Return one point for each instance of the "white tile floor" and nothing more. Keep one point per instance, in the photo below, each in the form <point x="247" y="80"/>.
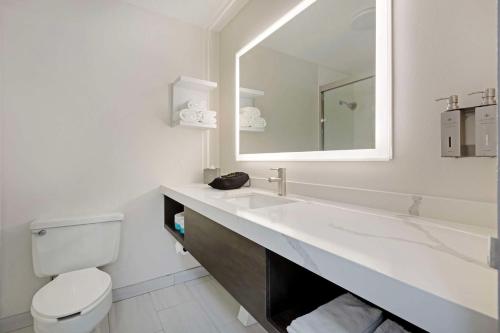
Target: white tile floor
<point x="198" y="306"/>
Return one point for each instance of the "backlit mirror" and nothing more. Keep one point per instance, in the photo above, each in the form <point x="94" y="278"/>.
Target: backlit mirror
<point x="316" y="85"/>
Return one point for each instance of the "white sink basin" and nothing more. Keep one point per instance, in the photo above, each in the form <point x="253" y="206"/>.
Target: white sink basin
<point x="257" y="200"/>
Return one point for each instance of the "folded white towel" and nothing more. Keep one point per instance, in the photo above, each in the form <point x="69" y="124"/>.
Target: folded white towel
<point x="389" y="326"/>
<point x="244" y="121"/>
<point x="258" y="122"/>
<point x="207" y="116"/>
<point x="250" y="112"/>
<point x="190" y="115"/>
<point x="345" y="314"/>
<point x="197" y="106"/>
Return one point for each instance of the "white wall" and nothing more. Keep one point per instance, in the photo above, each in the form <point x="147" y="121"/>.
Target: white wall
<point x="85" y="109"/>
<point x="289" y="105"/>
<point x="435" y="54"/>
<point x="327" y="75"/>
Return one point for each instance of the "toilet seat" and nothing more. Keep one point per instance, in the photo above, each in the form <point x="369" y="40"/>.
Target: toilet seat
<point x="71" y="294"/>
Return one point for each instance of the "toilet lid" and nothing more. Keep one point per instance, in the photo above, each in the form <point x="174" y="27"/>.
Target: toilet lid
<point x="71" y="293"/>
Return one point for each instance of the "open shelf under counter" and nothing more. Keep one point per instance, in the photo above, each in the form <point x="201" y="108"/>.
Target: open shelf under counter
<point x="310" y="291"/>
<point x="171" y="208"/>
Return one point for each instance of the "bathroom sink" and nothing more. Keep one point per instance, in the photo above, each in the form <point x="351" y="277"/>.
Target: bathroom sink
<point x="257" y="200"/>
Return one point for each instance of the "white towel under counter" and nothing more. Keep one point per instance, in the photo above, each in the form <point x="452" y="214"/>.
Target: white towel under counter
<point x="345" y="314"/>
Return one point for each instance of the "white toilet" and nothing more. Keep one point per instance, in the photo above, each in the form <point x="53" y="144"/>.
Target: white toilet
<point x="80" y="296"/>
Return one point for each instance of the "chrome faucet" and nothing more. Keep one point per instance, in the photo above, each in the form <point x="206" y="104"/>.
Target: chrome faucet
<point x="281" y="180"/>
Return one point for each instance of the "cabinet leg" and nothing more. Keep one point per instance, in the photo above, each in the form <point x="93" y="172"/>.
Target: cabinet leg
<point x="245" y="318"/>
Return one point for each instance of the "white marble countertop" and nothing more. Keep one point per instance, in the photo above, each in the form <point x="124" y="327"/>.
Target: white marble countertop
<point x="432" y="273"/>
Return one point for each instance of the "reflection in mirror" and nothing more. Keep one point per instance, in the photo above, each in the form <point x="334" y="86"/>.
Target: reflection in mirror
<point x="310" y="85"/>
<point x="348" y="114"/>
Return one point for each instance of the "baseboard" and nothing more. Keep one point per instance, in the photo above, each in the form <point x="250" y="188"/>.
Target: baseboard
<point x="15" y="322"/>
<point x="22" y="320"/>
<point x="141" y="288"/>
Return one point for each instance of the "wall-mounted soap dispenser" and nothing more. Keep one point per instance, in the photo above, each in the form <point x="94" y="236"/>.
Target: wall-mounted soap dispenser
<point x="452" y="125"/>
<point x="452" y="134"/>
<point x="486" y="123"/>
<point x="486" y="131"/>
<point x="470" y="131"/>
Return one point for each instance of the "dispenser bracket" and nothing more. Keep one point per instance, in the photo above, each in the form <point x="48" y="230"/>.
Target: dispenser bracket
<point x="494" y="257"/>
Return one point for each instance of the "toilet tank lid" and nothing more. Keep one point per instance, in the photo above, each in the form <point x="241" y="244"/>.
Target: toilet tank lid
<point x="72" y="221"/>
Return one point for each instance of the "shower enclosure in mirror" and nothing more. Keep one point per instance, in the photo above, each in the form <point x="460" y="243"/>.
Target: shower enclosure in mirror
<point x="316" y="85"/>
<point x="348" y="114"/>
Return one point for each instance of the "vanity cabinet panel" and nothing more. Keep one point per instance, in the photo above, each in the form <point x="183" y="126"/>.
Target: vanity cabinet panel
<point x="237" y="263"/>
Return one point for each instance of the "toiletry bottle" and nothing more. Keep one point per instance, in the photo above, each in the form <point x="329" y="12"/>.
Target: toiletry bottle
<point x="452" y="134"/>
<point x="486" y="130"/>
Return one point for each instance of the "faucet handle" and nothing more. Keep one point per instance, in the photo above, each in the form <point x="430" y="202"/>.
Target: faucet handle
<point x="281" y="172"/>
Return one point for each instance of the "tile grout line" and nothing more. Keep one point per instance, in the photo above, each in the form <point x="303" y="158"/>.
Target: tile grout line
<point x="198" y="301"/>
<point x="157" y="312"/>
<point x="212" y="321"/>
<point x="193" y="299"/>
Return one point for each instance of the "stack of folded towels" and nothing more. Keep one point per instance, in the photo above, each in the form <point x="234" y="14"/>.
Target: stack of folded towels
<point x="251" y="117"/>
<point x="345" y="314"/>
<point x="197" y="113"/>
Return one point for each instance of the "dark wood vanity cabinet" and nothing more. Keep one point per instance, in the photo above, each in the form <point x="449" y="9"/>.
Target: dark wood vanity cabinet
<point x="237" y="263"/>
<point x="271" y="288"/>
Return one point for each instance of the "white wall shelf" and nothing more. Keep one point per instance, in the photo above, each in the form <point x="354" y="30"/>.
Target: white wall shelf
<point x="196" y="125"/>
<point x="187" y="82"/>
<point x="248" y="96"/>
<point x="186" y="89"/>
<point x="251" y="129"/>
<point x="250" y="93"/>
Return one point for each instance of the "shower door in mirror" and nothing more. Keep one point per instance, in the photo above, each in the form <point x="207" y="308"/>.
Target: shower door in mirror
<point x="348" y="115"/>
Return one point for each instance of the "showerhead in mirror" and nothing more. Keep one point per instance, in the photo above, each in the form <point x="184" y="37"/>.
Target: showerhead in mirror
<point x="350" y="105"/>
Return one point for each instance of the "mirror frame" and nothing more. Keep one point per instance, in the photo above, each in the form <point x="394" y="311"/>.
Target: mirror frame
<point x="383" y="88"/>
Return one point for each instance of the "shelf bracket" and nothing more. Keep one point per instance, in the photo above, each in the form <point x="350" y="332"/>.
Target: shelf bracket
<point x="494" y="257"/>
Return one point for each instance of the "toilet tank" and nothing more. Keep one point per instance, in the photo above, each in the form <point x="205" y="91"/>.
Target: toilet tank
<point x="68" y="244"/>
